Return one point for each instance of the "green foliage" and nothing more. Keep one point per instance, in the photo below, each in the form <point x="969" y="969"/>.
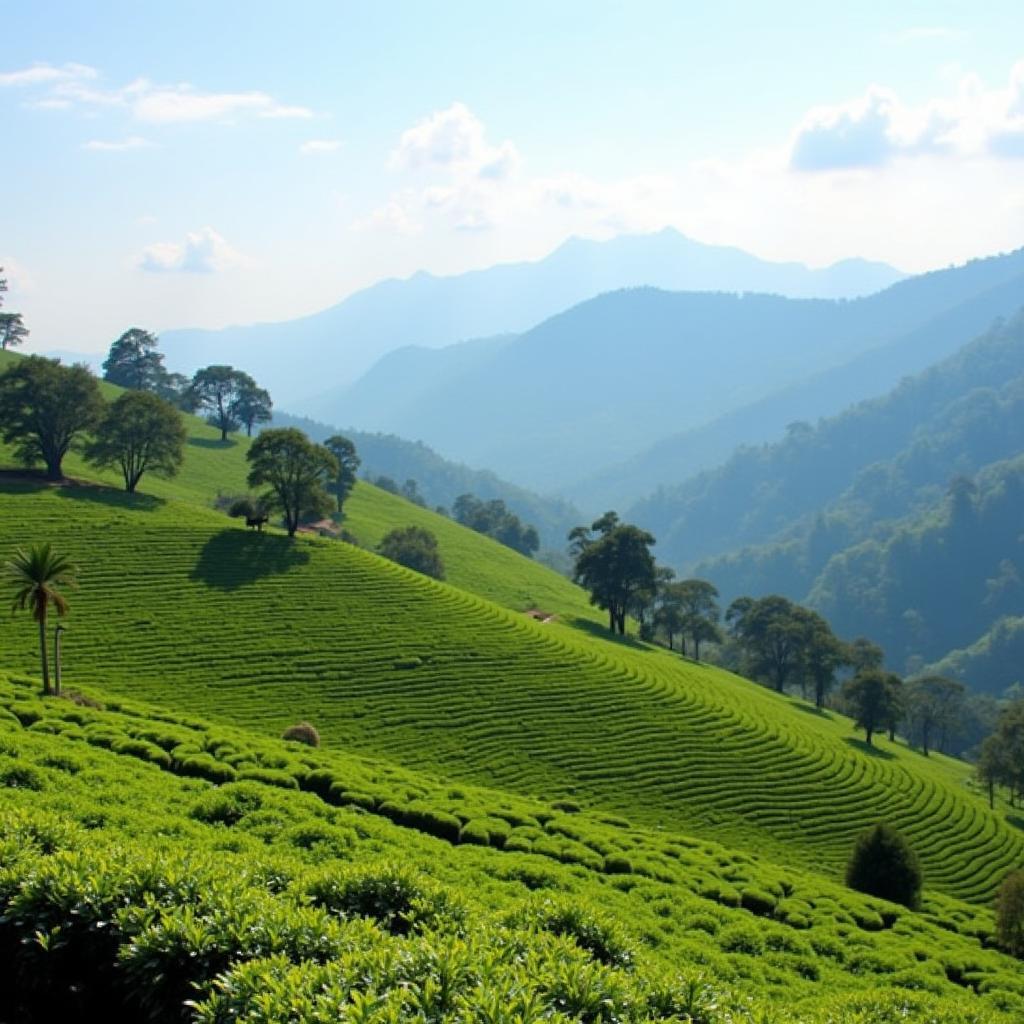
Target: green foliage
<point x="415" y="548"/>
<point x="295" y="470"/>
<point x="348" y="464"/>
<point x="134" y="363"/>
<point x="884" y="864"/>
<point x="874" y="700"/>
<point x="496" y="520"/>
<point x="139" y="433"/>
<point x="1010" y="914"/>
<point x="45" y="409"/>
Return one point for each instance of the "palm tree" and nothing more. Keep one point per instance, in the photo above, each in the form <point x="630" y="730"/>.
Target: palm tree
<point x="35" y="577"/>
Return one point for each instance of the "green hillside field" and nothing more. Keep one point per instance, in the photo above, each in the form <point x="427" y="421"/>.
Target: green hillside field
<point x="660" y="816"/>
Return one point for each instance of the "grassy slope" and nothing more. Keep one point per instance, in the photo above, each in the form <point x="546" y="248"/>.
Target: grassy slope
<point x="123" y="773"/>
<point x="180" y="607"/>
<point x="473" y="562"/>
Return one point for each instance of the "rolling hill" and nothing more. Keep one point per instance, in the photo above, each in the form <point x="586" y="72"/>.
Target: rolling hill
<point x="497" y="801"/>
<point x="345" y="340"/>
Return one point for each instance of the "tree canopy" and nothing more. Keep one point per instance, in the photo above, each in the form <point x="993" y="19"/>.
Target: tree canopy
<point x="133" y="361"/>
<point x="46" y="408"/>
<point x="37" y="576"/>
<point x="495" y="519"/>
<point x="230" y="397"/>
<point x="139" y="433"/>
<point x="296" y="472"/>
<point x="348" y="464"/>
<point x="613" y="561"/>
<point x="883" y="864"/>
<point x="874" y="700"/>
<point x="12" y="327"/>
<point x="415" y="547"/>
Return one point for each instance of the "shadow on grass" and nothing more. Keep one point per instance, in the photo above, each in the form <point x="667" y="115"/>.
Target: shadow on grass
<point x="604" y="633"/>
<point x="810" y="709"/>
<point x="1015" y="820"/>
<point x="232" y="558"/>
<point x="871" y="751"/>
<point x="211" y="442"/>
<point x="110" y="496"/>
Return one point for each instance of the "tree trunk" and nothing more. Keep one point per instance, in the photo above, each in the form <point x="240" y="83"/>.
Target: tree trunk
<point x="54" y="470"/>
<point x="991" y="795"/>
<point x="892" y="733"/>
<point x="924" y="738"/>
<point x="44" y="660"/>
<point x="696" y="648"/>
<point x="867" y="736"/>
<point x="611" y="619"/>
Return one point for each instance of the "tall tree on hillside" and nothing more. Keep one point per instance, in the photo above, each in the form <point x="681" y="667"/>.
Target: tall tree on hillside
<point x="216" y="389"/>
<point x="140" y="433"/>
<point x="823" y="655"/>
<point x="933" y="705"/>
<point x="862" y="655"/>
<point x="45" y="408"/>
<point x="348" y="465"/>
<point x="252" y="404"/>
<point x="37" y="576"/>
<point x="415" y="548"/>
<point x="133" y="361"/>
<point x="871" y="697"/>
<point x="296" y="471"/>
<point x="772" y="632"/>
<point x="698" y="600"/>
<point x="614" y="562"/>
<point x="12" y="327"/>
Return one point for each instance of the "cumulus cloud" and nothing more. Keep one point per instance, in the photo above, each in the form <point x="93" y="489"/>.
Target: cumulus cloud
<point x="104" y="146"/>
<point x="75" y="86"/>
<point x="394" y="217"/>
<point x="315" y="147"/>
<point x="202" y="252"/>
<point x="878" y="128"/>
<point x="453" y="139"/>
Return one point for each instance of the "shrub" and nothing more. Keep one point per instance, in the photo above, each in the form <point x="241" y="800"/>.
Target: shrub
<point x="475" y="833"/>
<point x="884" y="865"/>
<point x="20" y="776"/>
<point x="741" y="938"/>
<point x="415" y="548"/>
<point x="615" y="864"/>
<point x="394" y="896"/>
<point x="302" y="732"/>
<point x="269" y="777"/>
<point x="757" y="902"/>
<point x="602" y="937"/>
<point x="1010" y="914"/>
<point x="227" y="805"/>
<point x="143" y="750"/>
<point x="202" y="766"/>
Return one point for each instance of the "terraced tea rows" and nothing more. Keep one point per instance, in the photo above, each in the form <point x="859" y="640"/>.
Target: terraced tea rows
<point x="182" y="610"/>
<point x="106" y="809"/>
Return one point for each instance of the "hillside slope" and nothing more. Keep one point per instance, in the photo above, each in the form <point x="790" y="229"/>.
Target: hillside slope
<point x="179" y="608"/>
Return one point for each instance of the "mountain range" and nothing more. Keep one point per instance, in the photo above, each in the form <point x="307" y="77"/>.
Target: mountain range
<point x="342" y="342"/>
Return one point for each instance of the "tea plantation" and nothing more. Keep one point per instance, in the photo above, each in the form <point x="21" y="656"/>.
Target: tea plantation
<point x="508" y="820"/>
<point x="155" y="867"/>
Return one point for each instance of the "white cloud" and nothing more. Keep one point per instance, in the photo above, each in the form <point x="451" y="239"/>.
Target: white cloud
<point x="103" y="146"/>
<point x="73" y="86"/>
<point x="315" y="147"/>
<point x="394" y="217"/>
<point x="878" y="128"/>
<point x="453" y="139"/>
<point x="202" y="252"/>
<point x="47" y="74"/>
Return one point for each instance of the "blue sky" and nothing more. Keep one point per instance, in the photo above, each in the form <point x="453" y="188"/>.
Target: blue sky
<point x="212" y="163"/>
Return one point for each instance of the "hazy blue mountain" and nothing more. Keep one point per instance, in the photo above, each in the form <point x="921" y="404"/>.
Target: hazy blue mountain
<point x="870" y="374"/>
<point x="441" y="481"/>
<point x="597" y="384"/>
<point x="299" y="358"/>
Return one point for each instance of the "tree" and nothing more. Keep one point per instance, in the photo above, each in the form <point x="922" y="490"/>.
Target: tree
<point x="933" y="705"/>
<point x="36" y="576"/>
<point x="823" y="655"/>
<point x="496" y="520"/>
<point x="414" y="547"/>
<point x="45" y="408"/>
<point x="216" y="389"/>
<point x="614" y="566"/>
<point x="862" y="654"/>
<point x="295" y="469"/>
<point x="884" y="865"/>
<point x="133" y="362"/>
<point x="772" y="632"/>
<point x="252" y="405"/>
<point x="871" y="696"/>
<point x="1010" y="914"/>
<point x="12" y="328"/>
<point x="348" y="464"/>
<point x="698" y="601"/>
<point x="140" y="433"/>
